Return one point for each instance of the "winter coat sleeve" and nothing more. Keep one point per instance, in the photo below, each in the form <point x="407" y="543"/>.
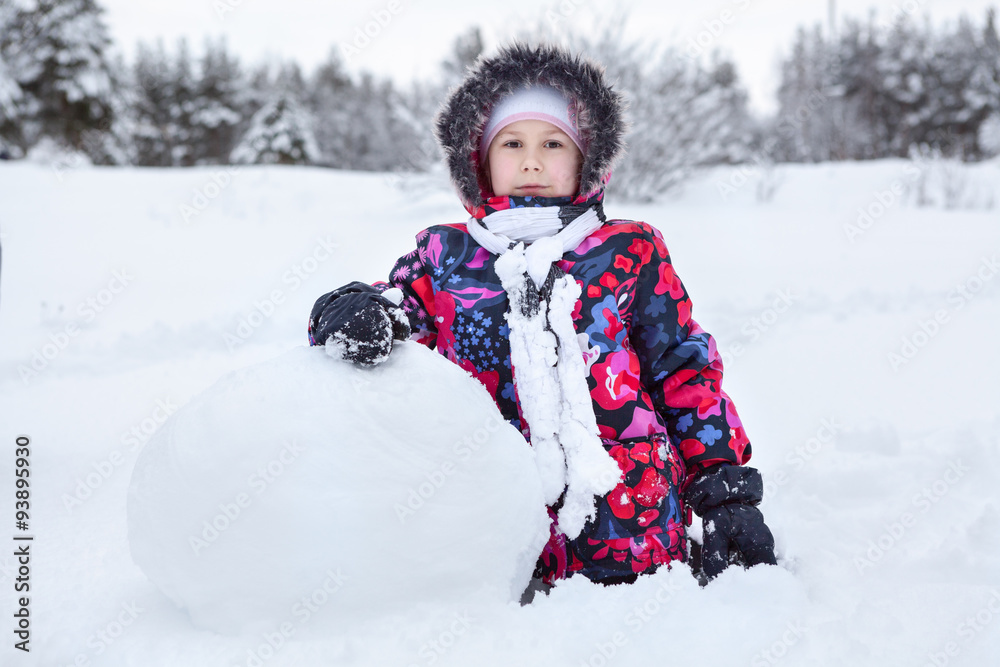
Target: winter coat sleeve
<point x="681" y="367"/>
<point x="411" y="276"/>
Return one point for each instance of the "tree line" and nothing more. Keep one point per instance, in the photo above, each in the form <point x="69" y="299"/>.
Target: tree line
<point x="881" y="90"/>
<point x="872" y="90"/>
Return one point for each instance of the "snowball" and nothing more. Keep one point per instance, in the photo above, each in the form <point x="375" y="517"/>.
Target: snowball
<point x="306" y="490"/>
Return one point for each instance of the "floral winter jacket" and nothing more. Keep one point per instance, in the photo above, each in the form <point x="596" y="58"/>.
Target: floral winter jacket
<point x="654" y="376"/>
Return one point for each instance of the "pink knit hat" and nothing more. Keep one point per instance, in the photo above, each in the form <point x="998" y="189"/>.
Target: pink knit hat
<point x="533" y="103"/>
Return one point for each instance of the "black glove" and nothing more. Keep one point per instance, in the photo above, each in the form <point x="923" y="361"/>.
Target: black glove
<point x="360" y="322"/>
<point x="734" y="530"/>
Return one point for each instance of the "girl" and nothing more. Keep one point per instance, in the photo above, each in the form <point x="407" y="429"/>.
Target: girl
<point x="576" y="325"/>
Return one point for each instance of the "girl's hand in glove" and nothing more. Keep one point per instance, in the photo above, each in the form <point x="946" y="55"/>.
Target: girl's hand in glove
<point x="726" y="499"/>
<point x="359" y="323"/>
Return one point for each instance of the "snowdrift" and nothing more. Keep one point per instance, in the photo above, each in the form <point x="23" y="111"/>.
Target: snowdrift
<point x="880" y="475"/>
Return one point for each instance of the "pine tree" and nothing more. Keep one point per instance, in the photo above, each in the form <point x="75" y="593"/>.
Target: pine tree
<point x="330" y="90"/>
<point x="991" y="51"/>
<point x="180" y="118"/>
<point x="182" y="107"/>
<point x="11" y="97"/>
<point x="16" y="34"/>
<point x="727" y="140"/>
<point x="989" y="131"/>
<point x="269" y="80"/>
<point x="989" y="136"/>
<point x="259" y="88"/>
<point x="217" y="100"/>
<point x="413" y="110"/>
<point x="367" y="140"/>
<point x="466" y="48"/>
<point x="280" y="133"/>
<point x="901" y="92"/>
<point x="950" y="68"/>
<point x="982" y="95"/>
<point x="368" y="125"/>
<point x="803" y="132"/>
<point x="960" y="94"/>
<point x="884" y="91"/>
<point x="683" y="115"/>
<point x="10" y="100"/>
<point x="60" y="65"/>
<point x="111" y="143"/>
<point x="413" y="147"/>
<point x="861" y="118"/>
<point x="290" y="81"/>
<point x="154" y="133"/>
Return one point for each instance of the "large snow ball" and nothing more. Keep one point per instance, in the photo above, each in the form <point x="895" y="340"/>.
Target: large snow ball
<point x="308" y="491"/>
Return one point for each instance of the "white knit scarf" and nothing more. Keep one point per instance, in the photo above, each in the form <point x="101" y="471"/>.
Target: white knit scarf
<point x="549" y="369"/>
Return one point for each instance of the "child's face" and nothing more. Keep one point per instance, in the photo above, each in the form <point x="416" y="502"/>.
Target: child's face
<point x="533" y="158"/>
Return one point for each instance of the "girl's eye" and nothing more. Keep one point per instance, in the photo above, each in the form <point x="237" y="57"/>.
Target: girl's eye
<point x="513" y="143"/>
<point x="553" y="144"/>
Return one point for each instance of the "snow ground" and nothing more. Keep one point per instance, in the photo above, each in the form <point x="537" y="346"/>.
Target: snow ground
<point x="118" y="305"/>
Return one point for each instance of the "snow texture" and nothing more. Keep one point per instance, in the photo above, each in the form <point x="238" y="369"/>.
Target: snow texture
<point x="292" y="477"/>
<point x="880" y="481"/>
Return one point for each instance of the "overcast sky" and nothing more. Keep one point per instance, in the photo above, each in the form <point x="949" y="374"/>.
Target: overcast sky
<point x="413" y="36"/>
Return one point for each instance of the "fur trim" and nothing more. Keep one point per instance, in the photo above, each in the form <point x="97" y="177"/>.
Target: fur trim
<point x="459" y="123"/>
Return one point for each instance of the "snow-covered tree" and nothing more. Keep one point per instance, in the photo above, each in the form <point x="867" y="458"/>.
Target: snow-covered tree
<point x="280" y="133"/>
<point x="982" y="95"/>
<point x="878" y="91"/>
<point x="10" y="93"/>
<point x="271" y="79"/>
<point x="989" y="136"/>
<point x="802" y="125"/>
<point x="11" y="100"/>
<point x="329" y="92"/>
<point x="186" y="114"/>
<point x="683" y="114"/>
<point x="466" y="48"/>
<point x="858" y="118"/>
<point x="899" y="102"/>
<point x="218" y="99"/>
<point x="111" y="141"/>
<point x="368" y="124"/>
<point x="11" y="97"/>
<point x="955" y="110"/>
<point x="58" y="56"/>
<point x="414" y="111"/>
<point x="156" y="133"/>
<point x="414" y="108"/>
<point x="989" y="129"/>
<point x="182" y="87"/>
<point x="381" y="138"/>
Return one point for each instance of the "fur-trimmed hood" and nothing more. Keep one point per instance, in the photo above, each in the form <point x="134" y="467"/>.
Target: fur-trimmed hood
<point x="460" y="122"/>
